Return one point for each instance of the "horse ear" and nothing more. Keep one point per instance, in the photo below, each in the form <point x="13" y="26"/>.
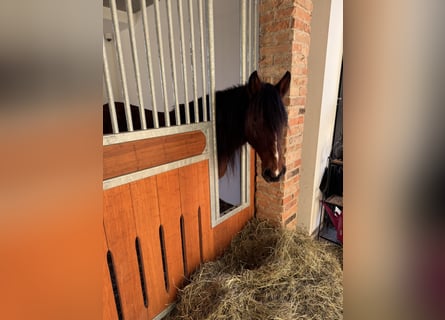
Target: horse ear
<point x="283" y="85"/>
<point x="254" y="84"/>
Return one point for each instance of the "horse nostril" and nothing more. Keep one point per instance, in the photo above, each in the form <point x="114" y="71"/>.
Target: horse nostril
<point x="269" y="177"/>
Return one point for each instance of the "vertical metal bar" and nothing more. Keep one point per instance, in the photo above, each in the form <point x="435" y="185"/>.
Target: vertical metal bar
<point x="109" y="91"/>
<point x="161" y="59"/>
<point x="173" y="61"/>
<point x="183" y="61"/>
<point x="149" y="64"/>
<point x="120" y="57"/>
<point x="192" y="53"/>
<point x="203" y="64"/>
<point x="255" y="35"/>
<point x="243" y="39"/>
<point x="243" y="56"/>
<point x="134" y="53"/>
<point x="214" y="160"/>
<point x="253" y="68"/>
<point x="249" y="36"/>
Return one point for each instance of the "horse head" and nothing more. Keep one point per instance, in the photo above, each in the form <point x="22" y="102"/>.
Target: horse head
<point x="266" y="123"/>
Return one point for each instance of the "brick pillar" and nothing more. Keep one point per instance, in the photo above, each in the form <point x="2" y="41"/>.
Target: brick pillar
<point x="284" y="45"/>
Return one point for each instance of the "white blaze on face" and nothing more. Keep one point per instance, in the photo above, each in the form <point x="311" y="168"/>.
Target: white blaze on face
<point x="277" y="156"/>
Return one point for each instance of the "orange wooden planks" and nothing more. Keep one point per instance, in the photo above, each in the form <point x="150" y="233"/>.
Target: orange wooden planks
<point x="109" y="311"/>
<point x="146" y="212"/>
<point x="120" y="232"/>
<point x="128" y="157"/>
<point x="170" y="213"/>
<point x="190" y="203"/>
<point x="203" y="192"/>
<point x="138" y="209"/>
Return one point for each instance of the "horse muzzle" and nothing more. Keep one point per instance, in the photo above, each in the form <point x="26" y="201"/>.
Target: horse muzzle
<point x="269" y="176"/>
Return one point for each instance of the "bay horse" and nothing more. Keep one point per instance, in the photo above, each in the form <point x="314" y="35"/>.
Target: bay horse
<point x="252" y="113"/>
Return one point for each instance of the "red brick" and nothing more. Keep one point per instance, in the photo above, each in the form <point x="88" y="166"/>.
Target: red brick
<point x="275" y="26"/>
<point x="265" y="60"/>
<point x="292" y="225"/>
<point x="306" y="4"/>
<point x="303" y="14"/>
<point x="282" y="59"/>
<point x="279" y="4"/>
<point x="284" y="45"/>
<point x="295" y="121"/>
<point x="301" y="37"/>
<point x="270" y="50"/>
<point x="285" y="12"/>
<point x="299" y="80"/>
<point x="266" y="17"/>
<point x="297" y="101"/>
<point x="301" y="25"/>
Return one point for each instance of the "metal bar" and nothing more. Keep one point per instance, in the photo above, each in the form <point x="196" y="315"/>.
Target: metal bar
<point x="173" y="61"/>
<point x="142" y="174"/>
<point x="165" y="312"/>
<point x="109" y="91"/>
<point x="149" y="64"/>
<point x="183" y="61"/>
<point x="203" y="64"/>
<point x="134" y="53"/>
<point x="120" y="57"/>
<point x="243" y="40"/>
<point x="161" y="59"/>
<point x="249" y="36"/>
<point x="213" y="167"/>
<point x="193" y="56"/>
<point x="243" y="57"/>
<point x="153" y="133"/>
<point x="255" y="35"/>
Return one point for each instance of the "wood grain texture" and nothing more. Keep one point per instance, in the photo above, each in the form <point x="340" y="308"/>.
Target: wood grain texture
<point x="170" y="213"/>
<point x="138" y="209"/>
<point x="109" y="311"/>
<point x="120" y="230"/>
<point x="128" y="157"/>
<point x="190" y="203"/>
<point x="203" y="192"/>
<point x="146" y="212"/>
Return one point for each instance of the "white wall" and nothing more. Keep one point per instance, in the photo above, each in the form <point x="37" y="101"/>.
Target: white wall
<point x="324" y="65"/>
<point x="227" y="63"/>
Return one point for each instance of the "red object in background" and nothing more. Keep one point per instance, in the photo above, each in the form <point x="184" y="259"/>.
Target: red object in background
<point x="337" y="221"/>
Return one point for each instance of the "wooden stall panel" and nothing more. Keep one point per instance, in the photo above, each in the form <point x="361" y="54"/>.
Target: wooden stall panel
<point x="190" y="205"/>
<point x="109" y="311"/>
<point x="179" y="201"/>
<point x="146" y="212"/>
<point x="120" y="233"/>
<point x="128" y="157"/>
<point x="170" y="214"/>
<point x="205" y="217"/>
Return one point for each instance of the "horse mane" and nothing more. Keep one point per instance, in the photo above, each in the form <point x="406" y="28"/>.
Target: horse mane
<point x="231" y="108"/>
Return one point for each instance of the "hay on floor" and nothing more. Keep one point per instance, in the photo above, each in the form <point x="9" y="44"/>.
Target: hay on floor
<point x="267" y="273"/>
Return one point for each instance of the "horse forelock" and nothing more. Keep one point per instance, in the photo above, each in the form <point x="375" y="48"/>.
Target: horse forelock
<point x="269" y="109"/>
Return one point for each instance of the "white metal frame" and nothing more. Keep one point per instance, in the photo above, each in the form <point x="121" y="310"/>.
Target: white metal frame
<point x="249" y="58"/>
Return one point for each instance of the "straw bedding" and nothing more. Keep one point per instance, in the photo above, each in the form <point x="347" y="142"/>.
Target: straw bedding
<point x="267" y="273"/>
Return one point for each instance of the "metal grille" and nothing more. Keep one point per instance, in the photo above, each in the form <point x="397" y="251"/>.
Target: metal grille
<point x="159" y="55"/>
<point x="166" y="57"/>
